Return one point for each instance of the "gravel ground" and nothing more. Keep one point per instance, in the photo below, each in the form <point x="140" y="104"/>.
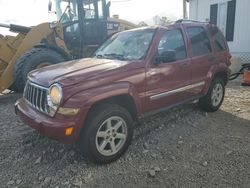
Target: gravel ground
<point x="183" y="147"/>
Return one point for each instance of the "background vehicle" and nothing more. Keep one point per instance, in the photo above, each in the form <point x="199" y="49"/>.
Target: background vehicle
<point x="81" y="27"/>
<point x="135" y="73"/>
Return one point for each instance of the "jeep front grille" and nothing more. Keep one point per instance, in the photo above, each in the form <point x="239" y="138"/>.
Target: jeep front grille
<point x="36" y="96"/>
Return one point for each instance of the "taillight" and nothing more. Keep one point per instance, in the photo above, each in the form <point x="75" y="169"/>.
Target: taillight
<point x="229" y="61"/>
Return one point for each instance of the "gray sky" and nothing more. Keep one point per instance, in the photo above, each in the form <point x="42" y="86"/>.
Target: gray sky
<point x="33" y="12"/>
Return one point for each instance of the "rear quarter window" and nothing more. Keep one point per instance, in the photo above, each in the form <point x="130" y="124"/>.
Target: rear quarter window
<point x="219" y="40"/>
<point x="199" y="41"/>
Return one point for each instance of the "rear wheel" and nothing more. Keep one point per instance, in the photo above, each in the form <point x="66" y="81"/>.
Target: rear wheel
<point x="107" y="134"/>
<point x="212" y="101"/>
<point x="33" y="59"/>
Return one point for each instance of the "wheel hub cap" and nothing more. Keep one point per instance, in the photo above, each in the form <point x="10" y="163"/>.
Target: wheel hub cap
<point x="111" y="136"/>
<point x="217" y="94"/>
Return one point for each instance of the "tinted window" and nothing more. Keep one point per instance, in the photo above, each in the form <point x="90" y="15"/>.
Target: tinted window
<point x="218" y="39"/>
<point x="199" y="40"/>
<point x="173" y="40"/>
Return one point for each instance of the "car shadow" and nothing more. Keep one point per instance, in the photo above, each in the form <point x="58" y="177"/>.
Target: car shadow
<point x="9" y="98"/>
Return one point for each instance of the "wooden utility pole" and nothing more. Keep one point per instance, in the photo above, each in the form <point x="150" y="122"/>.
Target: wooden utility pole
<point x="184" y="9"/>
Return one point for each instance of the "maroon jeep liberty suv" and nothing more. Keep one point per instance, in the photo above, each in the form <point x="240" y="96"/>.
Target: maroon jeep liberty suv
<point x="94" y="101"/>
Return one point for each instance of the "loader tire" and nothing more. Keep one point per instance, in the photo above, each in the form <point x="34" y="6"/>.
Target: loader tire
<point x="13" y="88"/>
<point x="33" y="59"/>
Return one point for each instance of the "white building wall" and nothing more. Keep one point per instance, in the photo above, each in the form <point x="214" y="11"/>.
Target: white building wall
<point x="240" y="46"/>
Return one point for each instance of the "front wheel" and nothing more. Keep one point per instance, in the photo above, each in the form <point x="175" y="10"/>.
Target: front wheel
<point x="212" y="101"/>
<point x="107" y="134"/>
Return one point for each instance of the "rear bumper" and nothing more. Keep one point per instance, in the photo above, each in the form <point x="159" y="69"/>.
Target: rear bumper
<point x="51" y="127"/>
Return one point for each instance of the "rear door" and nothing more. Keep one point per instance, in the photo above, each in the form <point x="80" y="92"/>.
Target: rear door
<point x="202" y="56"/>
<point x="167" y="82"/>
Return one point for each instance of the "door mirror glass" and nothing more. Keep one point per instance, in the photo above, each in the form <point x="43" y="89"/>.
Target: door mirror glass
<point x="166" y="56"/>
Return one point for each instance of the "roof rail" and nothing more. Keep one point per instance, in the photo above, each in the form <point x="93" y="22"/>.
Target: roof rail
<point x="190" y="21"/>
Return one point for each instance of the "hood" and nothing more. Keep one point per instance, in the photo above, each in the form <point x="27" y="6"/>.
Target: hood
<point x="74" y="72"/>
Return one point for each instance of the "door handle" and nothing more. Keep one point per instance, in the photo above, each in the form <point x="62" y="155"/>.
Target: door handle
<point x="183" y="65"/>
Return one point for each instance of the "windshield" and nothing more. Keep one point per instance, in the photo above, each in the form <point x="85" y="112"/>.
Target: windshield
<point x="66" y="10"/>
<point x="129" y="45"/>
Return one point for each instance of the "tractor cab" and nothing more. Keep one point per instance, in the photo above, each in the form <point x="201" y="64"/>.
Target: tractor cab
<point x="67" y="10"/>
<point x="85" y="24"/>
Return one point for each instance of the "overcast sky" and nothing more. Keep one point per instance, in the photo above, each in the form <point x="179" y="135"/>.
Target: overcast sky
<point x="33" y="12"/>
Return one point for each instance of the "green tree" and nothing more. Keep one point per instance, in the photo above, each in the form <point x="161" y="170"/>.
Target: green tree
<point x="142" y="24"/>
<point x="163" y="21"/>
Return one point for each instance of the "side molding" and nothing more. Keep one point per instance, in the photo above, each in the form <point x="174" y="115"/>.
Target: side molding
<point x="167" y="93"/>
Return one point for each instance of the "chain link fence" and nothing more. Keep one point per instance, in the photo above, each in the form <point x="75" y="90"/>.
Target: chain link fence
<point x="243" y="56"/>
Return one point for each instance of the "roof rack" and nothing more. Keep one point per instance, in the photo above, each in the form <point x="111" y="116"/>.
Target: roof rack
<point x="190" y="21"/>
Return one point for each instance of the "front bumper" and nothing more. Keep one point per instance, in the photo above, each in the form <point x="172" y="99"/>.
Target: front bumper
<point x="51" y="127"/>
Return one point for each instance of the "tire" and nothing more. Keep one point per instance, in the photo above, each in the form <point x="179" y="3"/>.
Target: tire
<point x="13" y="88"/>
<point x="91" y="145"/>
<point x="31" y="60"/>
<point x="212" y="101"/>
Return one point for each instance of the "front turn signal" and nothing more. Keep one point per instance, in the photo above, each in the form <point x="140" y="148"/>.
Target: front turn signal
<point x="69" y="131"/>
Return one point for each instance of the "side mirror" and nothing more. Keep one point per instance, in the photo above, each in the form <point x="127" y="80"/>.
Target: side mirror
<point x="166" y="56"/>
<point x="50" y="6"/>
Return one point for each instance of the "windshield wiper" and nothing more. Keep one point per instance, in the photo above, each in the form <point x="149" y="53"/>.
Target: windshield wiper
<point x="115" y="56"/>
<point x="98" y="56"/>
<point x="111" y="56"/>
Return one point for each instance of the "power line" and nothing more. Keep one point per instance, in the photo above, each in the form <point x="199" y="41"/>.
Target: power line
<point x="119" y="1"/>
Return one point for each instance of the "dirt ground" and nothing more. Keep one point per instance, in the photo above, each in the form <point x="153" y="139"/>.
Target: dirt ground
<point x="183" y="147"/>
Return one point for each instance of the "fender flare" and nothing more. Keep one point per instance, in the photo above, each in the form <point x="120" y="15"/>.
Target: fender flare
<point x="215" y="70"/>
<point x="87" y="98"/>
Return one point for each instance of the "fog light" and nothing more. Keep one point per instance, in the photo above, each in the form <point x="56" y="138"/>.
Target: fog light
<point x="69" y="131"/>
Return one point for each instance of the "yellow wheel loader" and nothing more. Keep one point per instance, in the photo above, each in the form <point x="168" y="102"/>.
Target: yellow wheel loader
<point x="81" y="27"/>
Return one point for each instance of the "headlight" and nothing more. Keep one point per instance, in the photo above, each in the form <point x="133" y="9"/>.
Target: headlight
<point x="55" y="94"/>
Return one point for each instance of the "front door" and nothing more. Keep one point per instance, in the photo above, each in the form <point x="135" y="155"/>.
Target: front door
<point x="167" y="83"/>
<point x="95" y="32"/>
